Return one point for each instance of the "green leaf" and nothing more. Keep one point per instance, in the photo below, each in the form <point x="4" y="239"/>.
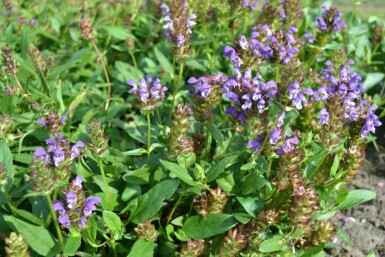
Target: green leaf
<point x="76" y="57"/>
<point x="226" y="182"/>
<point x="164" y="62"/>
<point x="117" y="32"/>
<point x="373" y="79"/>
<point x="217" y="135"/>
<point x="151" y="202"/>
<point x="180" y="172"/>
<point x="89" y="234"/>
<point x="25" y="42"/>
<point x="336" y="164"/>
<point x="131" y="191"/>
<point x="142" y="248"/>
<point x="37" y="237"/>
<point x="271" y="245"/>
<point x="72" y="245"/>
<point x="114" y="223"/>
<point x="251" y="204"/>
<point x="6" y="158"/>
<point x="140" y="176"/>
<point x="252" y="183"/>
<point x="135" y="152"/>
<point x="198" y="227"/>
<point x="356" y="197"/>
<point x="219" y="167"/>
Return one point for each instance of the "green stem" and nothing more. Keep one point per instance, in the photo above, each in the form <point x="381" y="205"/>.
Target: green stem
<point x="113" y="247"/>
<point x="100" y="57"/>
<point x="207" y="141"/>
<point x="134" y="62"/>
<point x="177" y="86"/>
<point x="55" y="221"/>
<point x="148" y="137"/>
<point x="105" y="183"/>
<point x="269" y="168"/>
<point x="174" y="208"/>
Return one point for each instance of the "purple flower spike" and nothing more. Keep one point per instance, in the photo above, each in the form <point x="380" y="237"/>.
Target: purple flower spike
<point x="71" y="199"/>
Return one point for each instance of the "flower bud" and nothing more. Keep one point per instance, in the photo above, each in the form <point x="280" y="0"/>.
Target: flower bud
<point x="217" y="200"/>
<point x="86" y="28"/>
<point x="16" y="246"/>
<point x="146" y="231"/>
<point x="193" y="248"/>
<point x="180" y="142"/>
<point x="233" y="244"/>
<point x="98" y="141"/>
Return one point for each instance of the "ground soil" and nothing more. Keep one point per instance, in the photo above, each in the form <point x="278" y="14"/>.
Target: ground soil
<point x="365" y="224"/>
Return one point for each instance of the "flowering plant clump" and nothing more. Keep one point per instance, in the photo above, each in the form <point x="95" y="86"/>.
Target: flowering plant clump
<point x="184" y="128"/>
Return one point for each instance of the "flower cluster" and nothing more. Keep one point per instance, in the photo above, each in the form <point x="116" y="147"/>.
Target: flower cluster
<point x="54" y="165"/>
<point x="53" y="122"/>
<point x="263" y="44"/>
<point x="178" y="26"/>
<point x="330" y="21"/>
<point x="275" y="135"/>
<point x="206" y="95"/>
<point x="76" y="209"/>
<point x="59" y="150"/>
<point x="149" y="93"/>
<point x="298" y="97"/>
<point x="203" y="85"/>
<point x="344" y="89"/>
<point x="248" y="95"/>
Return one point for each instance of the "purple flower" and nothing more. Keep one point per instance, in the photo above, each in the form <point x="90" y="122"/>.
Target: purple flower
<point x="75" y="149"/>
<point x="71" y="199"/>
<point x="64" y="221"/>
<point x="324" y="116"/>
<point x="287" y="147"/>
<point x="42" y="122"/>
<point x="63" y="119"/>
<point x="90" y="205"/>
<point x="370" y="123"/>
<point x="274" y="136"/>
<point x="58" y="206"/>
<point x="52" y="144"/>
<point x="58" y="156"/>
<point x="82" y="222"/>
<point x="281" y="120"/>
<point x="78" y="181"/>
<point x="255" y="144"/>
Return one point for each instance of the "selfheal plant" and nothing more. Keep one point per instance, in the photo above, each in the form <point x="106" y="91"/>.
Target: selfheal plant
<point x="246" y="157"/>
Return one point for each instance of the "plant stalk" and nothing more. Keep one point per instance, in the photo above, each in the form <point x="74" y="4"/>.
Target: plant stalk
<point x="58" y="230"/>
<point x="105" y="183"/>
<point x="100" y="57"/>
